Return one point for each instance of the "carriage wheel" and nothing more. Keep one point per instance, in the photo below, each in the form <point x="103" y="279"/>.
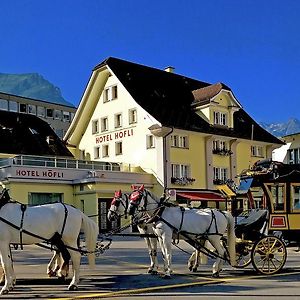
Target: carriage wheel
<point x="243" y="259"/>
<point x="268" y="255"/>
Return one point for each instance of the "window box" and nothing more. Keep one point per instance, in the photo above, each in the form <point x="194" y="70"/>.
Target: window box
<point x="182" y="180"/>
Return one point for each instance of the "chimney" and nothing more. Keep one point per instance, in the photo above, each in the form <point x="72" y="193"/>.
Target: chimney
<point x="170" y="69"/>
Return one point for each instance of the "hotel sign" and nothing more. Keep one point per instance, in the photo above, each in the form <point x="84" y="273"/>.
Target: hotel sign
<point x="114" y="136"/>
<point x="39" y="173"/>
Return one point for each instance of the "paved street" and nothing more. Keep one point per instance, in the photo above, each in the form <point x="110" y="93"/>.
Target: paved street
<point x="121" y="272"/>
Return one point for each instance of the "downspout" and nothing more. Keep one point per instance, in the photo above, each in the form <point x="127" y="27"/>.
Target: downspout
<point x="165" y="159"/>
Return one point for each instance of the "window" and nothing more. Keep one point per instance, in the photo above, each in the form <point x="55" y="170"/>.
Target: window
<point x="66" y="116"/>
<point x="43" y="198"/>
<point x="180" y="171"/>
<point x="13" y="106"/>
<point x="257" y="151"/>
<point x="277" y="192"/>
<point x="219" y="145"/>
<point x="95" y="126"/>
<point x="3" y="104"/>
<point x="294" y="156"/>
<point x="49" y="113"/>
<point x="41" y="111"/>
<point x="96" y="152"/>
<point x="57" y="114"/>
<point x="110" y="93"/>
<point x="220" y="118"/>
<point x="118" y="148"/>
<point x="132" y="116"/>
<point x="150" y="141"/>
<point x="179" y="141"/>
<point x="105" y="151"/>
<point x="118" y="120"/>
<point x="104" y="124"/>
<point x="23" y="108"/>
<point x="220" y="175"/>
<point x="295" y="190"/>
<point x="31" y="109"/>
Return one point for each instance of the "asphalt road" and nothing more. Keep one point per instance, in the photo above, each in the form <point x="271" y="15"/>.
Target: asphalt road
<point x="121" y="272"/>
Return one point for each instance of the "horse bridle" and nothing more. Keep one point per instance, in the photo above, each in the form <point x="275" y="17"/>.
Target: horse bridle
<point x="117" y="201"/>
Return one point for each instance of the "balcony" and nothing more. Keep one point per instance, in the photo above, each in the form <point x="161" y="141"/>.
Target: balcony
<point x="54" y="162"/>
<point x="224" y="152"/>
<point x="219" y="181"/>
<point x="182" y="180"/>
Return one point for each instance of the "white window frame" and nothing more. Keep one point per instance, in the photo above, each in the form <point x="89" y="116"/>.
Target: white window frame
<point x="105" y="150"/>
<point x="220" y="173"/>
<point x="179" y="141"/>
<point x="257" y="151"/>
<point x="66" y="116"/>
<point x="104" y="124"/>
<point x="13" y="106"/>
<point x="110" y="93"/>
<point x="118" y="120"/>
<point x="294" y="156"/>
<point x="41" y="111"/>
<point x="119" y="148"/>
<point x="150" y="141"/>
<point x="31" y="109"/>
<point x="95" y="126"/>
<point x="220" y="118"/>
<point x="57" y="114"/>
<point x="132" y="113"/>
<point x="3" y="104"/>
<point x="180" y="170"/>
<point x="97" y="153"/>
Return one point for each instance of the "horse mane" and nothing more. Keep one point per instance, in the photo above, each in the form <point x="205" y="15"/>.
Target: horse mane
<point x="4" y="197"/>
<point x="163" y="200"/>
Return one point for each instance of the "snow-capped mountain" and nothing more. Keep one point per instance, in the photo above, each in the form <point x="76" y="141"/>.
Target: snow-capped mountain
<point x="282" y="129"/>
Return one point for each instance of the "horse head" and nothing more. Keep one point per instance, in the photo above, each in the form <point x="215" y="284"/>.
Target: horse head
<point x="118" y="207"/>
<point x="136" y="197"/>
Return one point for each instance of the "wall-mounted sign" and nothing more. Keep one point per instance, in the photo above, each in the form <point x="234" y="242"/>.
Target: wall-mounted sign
<point x="114" y="136"/>
<point x="39" y="173"/>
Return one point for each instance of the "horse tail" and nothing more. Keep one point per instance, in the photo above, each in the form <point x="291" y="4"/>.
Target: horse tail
<point x="91" y="231"/>
<point x="231" y="237"/>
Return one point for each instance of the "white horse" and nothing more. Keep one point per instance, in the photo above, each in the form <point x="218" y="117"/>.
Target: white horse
<point x="118" y="208"/>
<point x="57" y="223"/>
<point x="193" y="224"/>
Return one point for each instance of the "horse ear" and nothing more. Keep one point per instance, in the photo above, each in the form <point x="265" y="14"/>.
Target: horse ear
<point x="142" y="187"/>
<point x="133" y="187"/>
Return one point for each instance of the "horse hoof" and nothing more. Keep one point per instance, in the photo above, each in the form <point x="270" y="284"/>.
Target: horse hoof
<point x="73" y="287"/>
<point x="216" y="275"/>
<point x="167" y="276"/>
<point x="4" y="292"/>
<point x="150" y="271"/>
<point x="194" y="269"/>
<point x="52" y="273"/>
<point x="61" y="278"/>
<point x="153" y="272"/>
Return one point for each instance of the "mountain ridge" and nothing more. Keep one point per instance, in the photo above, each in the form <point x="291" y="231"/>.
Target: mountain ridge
<point x="32" y="85"/>
<point x="292" y="126"/>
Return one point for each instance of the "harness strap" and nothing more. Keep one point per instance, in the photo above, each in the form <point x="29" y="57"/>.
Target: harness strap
<point x="181" y="222"/>
<point x="65" y="219"/>
<point x="23" y="208"/>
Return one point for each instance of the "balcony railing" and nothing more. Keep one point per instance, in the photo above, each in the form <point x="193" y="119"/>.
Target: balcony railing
<point x="55" y="162"/>
<point x="182" y="180"/>
<point x="225" y="152"/>
<point x="219" y="181"/>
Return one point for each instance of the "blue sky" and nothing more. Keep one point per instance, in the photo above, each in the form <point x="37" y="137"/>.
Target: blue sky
<point x="252" y="46"/>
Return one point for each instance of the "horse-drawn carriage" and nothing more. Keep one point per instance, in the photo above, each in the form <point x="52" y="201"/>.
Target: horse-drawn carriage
<point x="261" y="235"/>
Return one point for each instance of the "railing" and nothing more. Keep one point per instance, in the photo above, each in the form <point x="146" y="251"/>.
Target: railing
<point x="182" y="180"/>
<point x="55" y="162"/>
<point x="225" y="152"/>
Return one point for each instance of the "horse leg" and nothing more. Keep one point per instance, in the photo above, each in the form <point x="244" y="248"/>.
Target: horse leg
<point x="192" y="260"/>
<point x="75" y="257"/>
<point x="6" y="262"/>
<point x="217" y="266"/>
<point x="165" y="241"/>
<point x="54" y="264"/>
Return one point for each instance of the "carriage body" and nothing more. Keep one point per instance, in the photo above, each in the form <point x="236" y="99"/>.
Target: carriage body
<point x="276" y="221"/>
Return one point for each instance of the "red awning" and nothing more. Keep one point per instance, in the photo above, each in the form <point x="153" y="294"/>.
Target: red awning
<point x="202" y="196"/>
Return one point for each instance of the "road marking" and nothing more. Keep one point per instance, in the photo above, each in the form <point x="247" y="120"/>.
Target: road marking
<point x="179" y="285"/>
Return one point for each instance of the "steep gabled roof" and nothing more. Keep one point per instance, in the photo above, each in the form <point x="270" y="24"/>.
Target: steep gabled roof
<point x="28" y="134"/>
<point x="168" y="98"/>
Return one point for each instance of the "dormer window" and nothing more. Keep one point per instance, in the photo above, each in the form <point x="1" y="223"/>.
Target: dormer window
<point x="220" y="118"/>
<point x="110" y="93"/>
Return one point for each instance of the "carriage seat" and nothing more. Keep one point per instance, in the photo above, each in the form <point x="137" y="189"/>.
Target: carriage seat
<point x="251" y="224"/>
